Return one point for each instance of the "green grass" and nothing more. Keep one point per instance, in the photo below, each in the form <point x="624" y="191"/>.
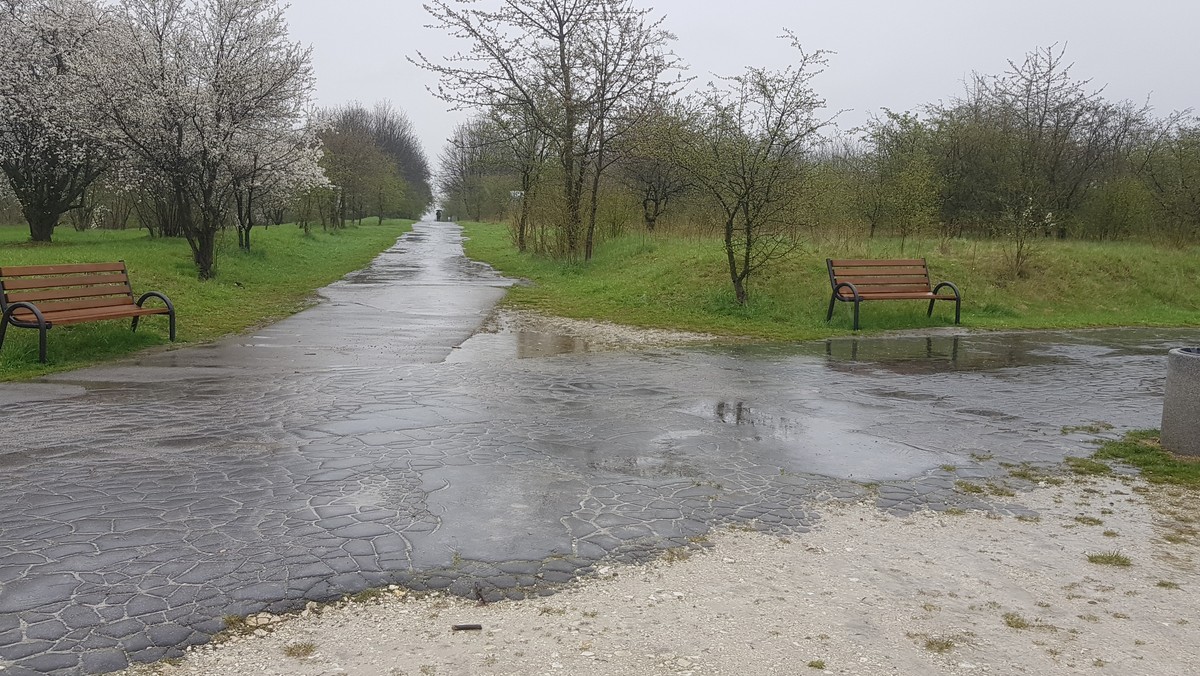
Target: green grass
<point x="968" y="487"/>
<point x="1086" y="467"/>
<point x="683" y="283"/>
<point x="272" y="281"/>
<point x="1140" y="449"/>
<point x="1110" y="559"/>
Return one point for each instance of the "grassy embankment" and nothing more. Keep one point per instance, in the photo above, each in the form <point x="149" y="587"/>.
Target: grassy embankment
<point x="273" y="280"/>
<point x="683" y="283"/>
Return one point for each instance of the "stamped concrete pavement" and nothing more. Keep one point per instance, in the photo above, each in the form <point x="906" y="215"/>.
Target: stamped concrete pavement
<point x="341" y="449"/>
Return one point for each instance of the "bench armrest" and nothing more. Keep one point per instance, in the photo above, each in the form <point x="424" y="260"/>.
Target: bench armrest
<point x="952" y="286"/>
<point x="155" y="294"/>
<point x="23" y="305"/>
<point x="847" y="285"/>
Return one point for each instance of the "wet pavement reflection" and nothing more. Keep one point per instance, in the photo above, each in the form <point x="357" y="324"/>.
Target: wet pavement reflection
<point x="367" y="441"/>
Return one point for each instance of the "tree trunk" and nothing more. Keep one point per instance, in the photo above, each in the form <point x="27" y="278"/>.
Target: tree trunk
<point x="522" y="225"/>
<point x="204" y="253"/>
<point x="650" y="213"/>
<point x="41" y="224"/>
<point x="598" y="169"/>
<point x="738" y="278"/>
<point x="590" y="241"/>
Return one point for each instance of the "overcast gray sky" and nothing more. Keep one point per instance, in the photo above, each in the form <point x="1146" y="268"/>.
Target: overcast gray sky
<point x="897" y="54"/>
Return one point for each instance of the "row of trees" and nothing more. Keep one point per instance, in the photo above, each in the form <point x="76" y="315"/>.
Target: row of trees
<point x="375" y="165"/>
<point x="579" y="112"/>
<point x="1030" y="152"/>
<point x="190" y="115"/>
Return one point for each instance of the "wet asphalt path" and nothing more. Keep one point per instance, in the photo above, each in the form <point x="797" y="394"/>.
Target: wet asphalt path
<point x="341" y="449"/>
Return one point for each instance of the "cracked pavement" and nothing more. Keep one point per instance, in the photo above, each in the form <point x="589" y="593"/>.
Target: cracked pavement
<point x="339" y="450"/>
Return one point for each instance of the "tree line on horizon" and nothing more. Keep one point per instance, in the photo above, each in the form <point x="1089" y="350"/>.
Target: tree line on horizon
<point x="186" y="117"/>
<point x="585" y="123"/>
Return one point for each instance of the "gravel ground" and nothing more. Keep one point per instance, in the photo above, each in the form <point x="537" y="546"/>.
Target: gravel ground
<point x="863" y="593"/>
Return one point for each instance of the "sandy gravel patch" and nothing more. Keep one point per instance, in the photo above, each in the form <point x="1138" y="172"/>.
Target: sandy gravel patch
<point x="863" y="593"/>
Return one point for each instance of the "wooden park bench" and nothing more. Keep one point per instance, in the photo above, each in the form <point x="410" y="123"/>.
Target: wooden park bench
<point x="44" y="296"/>
<point x="854" y="281"/>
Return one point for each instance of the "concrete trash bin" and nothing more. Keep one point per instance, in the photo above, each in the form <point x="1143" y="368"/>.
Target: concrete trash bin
<point x="1181" y="403"/>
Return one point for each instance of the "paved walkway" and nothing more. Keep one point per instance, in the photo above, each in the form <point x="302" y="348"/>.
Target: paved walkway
<point x="340" y="450"/>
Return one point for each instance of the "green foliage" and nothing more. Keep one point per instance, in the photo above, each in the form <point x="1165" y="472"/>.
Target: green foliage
<point x="901" y="188"/>
<point x="748" y="152"/>
<point x="1172" y="174"/>
<point x="1140" y="449"/>
<point x="682" y="283"/>
<point x="1116" y="210"/>
<point x="274" y="280"/>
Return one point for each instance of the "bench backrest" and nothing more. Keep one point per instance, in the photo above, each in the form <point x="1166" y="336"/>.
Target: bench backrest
<point x="904" y="275"/>
<point x="73" y="286"/>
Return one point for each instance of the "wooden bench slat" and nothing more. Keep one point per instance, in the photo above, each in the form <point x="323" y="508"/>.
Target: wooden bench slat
<point x="881" y="272"/>
<point x="72" y="292"/>
<point x="60" y="269"/>
<point x="107" y="301"/>
<point x="24" y="283"/>
<point x="886" y="294"/>
<point x="883" y="293"/>
<point x="895" y="263"/>
<point x="903" y="296"/>
<point x="911" y="280"/>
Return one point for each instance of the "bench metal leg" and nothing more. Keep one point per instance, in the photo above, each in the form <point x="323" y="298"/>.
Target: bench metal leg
<point x="832" y="300"/>
<point x="957" y="310"/>
<point x="856" y="302"/>
<point x="170" y="310"/>
<point x="170" y="323"/>
<point x="42" y="326"/>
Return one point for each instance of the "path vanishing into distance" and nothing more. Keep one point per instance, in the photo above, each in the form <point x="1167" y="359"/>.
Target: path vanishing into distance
<point x="371" y="440"/>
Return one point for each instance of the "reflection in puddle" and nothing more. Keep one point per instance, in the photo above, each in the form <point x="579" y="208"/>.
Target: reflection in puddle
<point x="821" y="437"/>
<point x="742" y="414"/>
<point x="533" y="344"/>
<point x="645" y="466"/>
<point x="519" y="344"/>
<point x="935" y="354"/>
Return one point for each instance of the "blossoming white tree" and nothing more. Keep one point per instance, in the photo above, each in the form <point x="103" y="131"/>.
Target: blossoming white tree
<point x="280" y="164"/>
<point x="51" y="150"/>
<point x="202" y="89"/>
